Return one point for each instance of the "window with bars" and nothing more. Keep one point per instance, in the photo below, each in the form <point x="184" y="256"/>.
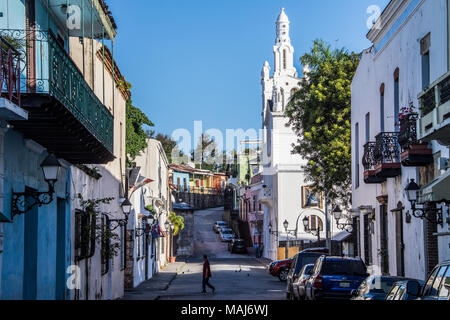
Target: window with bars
<point x="84" y="235"/>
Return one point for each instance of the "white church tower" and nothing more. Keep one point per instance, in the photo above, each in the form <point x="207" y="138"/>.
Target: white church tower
<point x="283" y="175"/>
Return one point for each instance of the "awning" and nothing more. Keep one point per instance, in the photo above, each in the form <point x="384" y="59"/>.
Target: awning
<point x="437" y="191"/>
<point x="341" y="236"/>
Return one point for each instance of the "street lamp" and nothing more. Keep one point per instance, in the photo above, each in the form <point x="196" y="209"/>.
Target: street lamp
<point x="21" y="204"/>
<point x="286" y="226"/>
<point x="126" y="207"/>
<point x="422" y="213"/>
<point x="337" y="214"/>
<point x="314" y="231"/>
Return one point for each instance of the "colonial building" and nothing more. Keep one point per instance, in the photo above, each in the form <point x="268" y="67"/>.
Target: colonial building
<point x="149" y="240"/>
<point x="399" y="134"/>
<point x="286" y="196"/>
<point x="64" y="119"/>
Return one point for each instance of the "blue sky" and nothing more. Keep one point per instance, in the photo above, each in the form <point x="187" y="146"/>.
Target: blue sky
<point x="202" y="59"/>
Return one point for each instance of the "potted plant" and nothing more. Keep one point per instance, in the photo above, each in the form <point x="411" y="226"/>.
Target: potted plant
<point x="178" y="225"/>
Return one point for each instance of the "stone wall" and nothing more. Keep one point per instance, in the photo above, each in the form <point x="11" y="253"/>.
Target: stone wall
<point x="201" y="201"/>
<point x="185" y="242"/>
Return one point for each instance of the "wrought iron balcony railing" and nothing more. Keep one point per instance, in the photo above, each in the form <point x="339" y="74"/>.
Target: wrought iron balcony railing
<point x="368" y="160"/>
<point x="49" y="70"/>
<point x="408" y="131"/>
<point x="387" y="148"/>
<point x="9" y="71"/>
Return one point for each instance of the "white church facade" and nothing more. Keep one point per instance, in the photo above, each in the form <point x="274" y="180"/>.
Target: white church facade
<point x="286" y="196"/>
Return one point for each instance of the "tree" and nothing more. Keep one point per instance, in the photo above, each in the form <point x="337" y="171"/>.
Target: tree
<point x="320" y="114"/>
<point x="205" y="153"/>
<point x="169" y="145"/>
<point x="136" y="138"/>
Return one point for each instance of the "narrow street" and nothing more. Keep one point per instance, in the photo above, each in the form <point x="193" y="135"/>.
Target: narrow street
<point x="236" y="277"/>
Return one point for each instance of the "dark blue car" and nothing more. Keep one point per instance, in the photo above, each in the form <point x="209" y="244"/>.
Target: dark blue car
<point x="375" y="287"/>
<point x="335" y="278"/>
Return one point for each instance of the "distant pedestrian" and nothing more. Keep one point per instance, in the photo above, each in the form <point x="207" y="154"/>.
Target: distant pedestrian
<point x="256" y="250"/>
<point x="206" y="275"/>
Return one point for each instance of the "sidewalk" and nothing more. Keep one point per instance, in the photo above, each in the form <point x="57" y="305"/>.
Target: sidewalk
<point x="153" y="288"/>
<point x="264" y="261"/>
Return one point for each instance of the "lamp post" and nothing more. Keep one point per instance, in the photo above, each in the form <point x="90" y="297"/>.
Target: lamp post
<point x="314" y="231"/>
<point x="286" y="226"/>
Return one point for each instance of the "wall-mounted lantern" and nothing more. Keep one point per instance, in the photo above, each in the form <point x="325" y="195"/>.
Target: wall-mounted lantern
<point x="22" y="202"/>
<point x="338" y="215"/>
<point x="422" y="213"/>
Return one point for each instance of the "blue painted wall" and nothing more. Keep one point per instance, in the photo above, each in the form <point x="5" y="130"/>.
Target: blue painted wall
<point x="22" y="169"/>
<point x="181" y="176"/>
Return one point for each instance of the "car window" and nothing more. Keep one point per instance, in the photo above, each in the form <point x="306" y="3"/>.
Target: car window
<point x="294" y="265"/>
<point x="392" y="293"/>
<point x="308" y="259"/>
<point x="429" y="283"/>
<point x="434" y="289"/>
<point x="400" y="292"/>
<point x="317" y="266"/>
<point x="382" y="285"/>
<point x="344" y="267"/>
<point x="445" y="286"/>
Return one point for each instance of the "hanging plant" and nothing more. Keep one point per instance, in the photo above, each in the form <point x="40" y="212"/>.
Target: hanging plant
<point x="151" y="209"/>
<point x="178" y="222"/>
<point x="404" y="113"/>
<point x="109" y="240"/>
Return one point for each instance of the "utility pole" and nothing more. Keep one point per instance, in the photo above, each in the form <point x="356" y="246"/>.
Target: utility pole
<point x="327" y="226"/>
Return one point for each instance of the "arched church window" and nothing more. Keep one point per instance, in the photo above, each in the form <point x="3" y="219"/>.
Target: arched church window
<point x="284" y="59"/>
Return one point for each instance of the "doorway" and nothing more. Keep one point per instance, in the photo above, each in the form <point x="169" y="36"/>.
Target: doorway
<point x="384" y="249"/>
<point x="400" y="245"/>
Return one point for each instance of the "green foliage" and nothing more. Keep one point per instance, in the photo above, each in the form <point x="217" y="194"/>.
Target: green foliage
<point x="136" y="138"/>
<point x="168" y="144"/>
<point x="320" y="114"/>
<point x="204" y="154"/>
<point x="110" y="241"/>
<point x="151" y="209"/>
<point x="178" y="222"/>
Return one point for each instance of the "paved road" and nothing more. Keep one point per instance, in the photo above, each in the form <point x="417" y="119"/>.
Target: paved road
<point x="236" y="277"/>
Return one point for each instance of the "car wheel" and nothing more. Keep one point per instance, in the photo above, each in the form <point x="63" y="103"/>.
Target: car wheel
<point x="283" y="275"/>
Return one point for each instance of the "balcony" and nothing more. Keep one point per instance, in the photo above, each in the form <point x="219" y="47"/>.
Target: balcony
<point x="414" y="153"/>
<point x="64" y="114"/>
<point x="267" y="197"/>
<point x="10" y="83"/>
<point x="369" y="164"/>
<point x="434" y="123"/>
<point x="387" y="155"/>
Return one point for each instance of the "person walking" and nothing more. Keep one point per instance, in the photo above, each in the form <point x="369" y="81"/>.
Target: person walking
<point x="206" y="275"/>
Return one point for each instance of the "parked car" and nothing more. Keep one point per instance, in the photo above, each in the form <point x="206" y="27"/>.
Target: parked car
<point x="405" y="290"/>
<point x="237" y="246"/>
<point x="299" y="284"/>
<point x="437" y="286"/>
<point x="335" y="278"/>
<point x="375" y="287"/>
<point x="218" y="225"/>
<point x="300" y="259"/>
<point x="226" y="235"/>
<point x="280" y="268"/>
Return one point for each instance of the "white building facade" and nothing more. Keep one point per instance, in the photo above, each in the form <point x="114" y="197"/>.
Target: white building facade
<point x="284" y="181"/>
<point x="410" y="51"/>
<point x="148" y="250"/>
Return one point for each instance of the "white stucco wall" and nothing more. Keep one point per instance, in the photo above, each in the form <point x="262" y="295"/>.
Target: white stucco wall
<point x="376" y="68"/>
